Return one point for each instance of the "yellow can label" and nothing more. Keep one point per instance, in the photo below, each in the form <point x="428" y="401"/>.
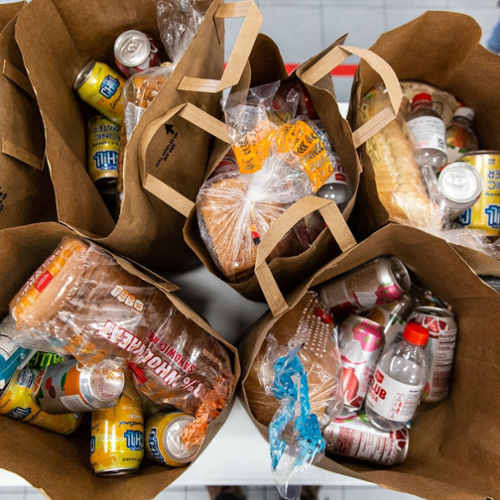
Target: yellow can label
<point x="485" y="213"/>
<point x="17" y="402"/>
<point x="117" y="439"/>
<point x="103" y="148"/>
<point x="103" y="90"/>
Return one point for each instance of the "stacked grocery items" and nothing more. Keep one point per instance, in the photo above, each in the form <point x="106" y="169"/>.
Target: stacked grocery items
<point x="393" y="347"/>
<point x="122" y="99"/>
<point x="279" y="154"/>
<point x="85" y="336"/>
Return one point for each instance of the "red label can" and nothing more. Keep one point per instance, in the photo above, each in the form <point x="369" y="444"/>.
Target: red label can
<point x="135" y="52"/>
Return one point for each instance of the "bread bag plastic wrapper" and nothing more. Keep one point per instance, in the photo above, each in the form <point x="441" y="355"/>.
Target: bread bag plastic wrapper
<point x="81" y="302"/>
<point x="277" y="164"/>
<point x="406" y="183"/>
<point x="301" y="369"/>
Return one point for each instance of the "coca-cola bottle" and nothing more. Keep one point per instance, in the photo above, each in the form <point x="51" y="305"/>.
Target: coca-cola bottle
<point x="428" y="132"/>
<point x="399" y="380"/>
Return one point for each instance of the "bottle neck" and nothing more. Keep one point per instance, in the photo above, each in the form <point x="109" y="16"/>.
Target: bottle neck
<point x="462" y="120"/>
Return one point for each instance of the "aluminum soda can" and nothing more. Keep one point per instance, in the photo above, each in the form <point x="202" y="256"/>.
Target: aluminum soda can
<point x="12" y="357"/>
<point x="440" y="349"/>
<point x="16" y="401"/>
<point x="42" y="360"/>
<point x="163" y="439"/>
<point x="352" y="435"/>
<point x="135" y="51"/>
<point x="70" y="386"/>
<point x="360" y="342"/>
<point x="378" y="282"/>
<point x="117" y="438"/>
<point x="461" y="186"/>
<point x="485" y="214"/>
<point x="393" y="318"/>
<point x="101" y="87"/>
<point x="103" y="149"/>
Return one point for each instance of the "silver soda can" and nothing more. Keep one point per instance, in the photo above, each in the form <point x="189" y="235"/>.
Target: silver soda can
<point x="461" y="186"/>
<point x="360" y="342"/>
<point x="393" y="318"/>
<point x="353" y="436"/>
<point x="134" y="52"/>
<point x="380" y="281"/>
<point x="440" y="349"/>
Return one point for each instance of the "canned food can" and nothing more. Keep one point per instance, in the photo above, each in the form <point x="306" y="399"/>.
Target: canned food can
<point x="117" y="438"/>
<point x="461" y="186"/>
<point x="16" y="401"/>
<point x="393" y="318"/>
<point x="70" y="386"/>
<point x="380" y="281"/>
<point x="360" y="342"/>
<point x="485" y="214"/>
<point x="164" y="444"/>
<point x="42" y="360"/>
<point x="135" y="52"/>
<point x="101" y="87"/>
<point x="353" y="436"/>
<point x="103" y="148"/>
<point x="440" y="349"/>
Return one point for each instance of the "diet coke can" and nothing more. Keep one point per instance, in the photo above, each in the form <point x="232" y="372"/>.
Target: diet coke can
<point x="440" y="349"/>
<point x="134" y="52"/>
<point x="352" y="435"/>
<point x="380" y="281"/>
<point x="360" y="342"/>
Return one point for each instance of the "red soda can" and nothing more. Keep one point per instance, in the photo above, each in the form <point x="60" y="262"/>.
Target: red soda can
<point x="440" y="349"/>
<point x="352" y="435"/>
<point x="135" y="52"/>
<point x="360" y="342"/>
<point x="378" y="282"/>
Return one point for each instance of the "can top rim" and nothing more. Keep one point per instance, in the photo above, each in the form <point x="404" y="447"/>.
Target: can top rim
<point x="470" y="168"/>
<point x="137" y="55"/>
<point x="480" y="152"/>
<point x="442" y="310"/>
<point x="173" y="431"/>
<point x="84" y="74"/>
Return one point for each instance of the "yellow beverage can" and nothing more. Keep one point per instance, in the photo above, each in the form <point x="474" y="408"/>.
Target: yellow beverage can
<point x="16" y="401"/>
<point x="485" y="213"/>
<point x="117" y="439"/>
<point x="101" y="87"/>
<point x="163" y="439"/>
<point x="103" y="148"/>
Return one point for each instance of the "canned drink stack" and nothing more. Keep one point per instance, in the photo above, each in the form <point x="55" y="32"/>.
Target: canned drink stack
<point x="135" y="51"/>
<point x="380" y="281"/>
<point x="70" y="386"/>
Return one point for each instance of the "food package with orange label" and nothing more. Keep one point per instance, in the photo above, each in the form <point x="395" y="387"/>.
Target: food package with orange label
<point x="275" y="163"/>
<point x="82" y="302"/>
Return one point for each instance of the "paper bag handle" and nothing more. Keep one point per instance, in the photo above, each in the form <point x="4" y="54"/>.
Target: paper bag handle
<point x="241" y="50"/>
<point x="155" y="186"/>
<point x="338" y="55"/>
<point x="334" y="221"/>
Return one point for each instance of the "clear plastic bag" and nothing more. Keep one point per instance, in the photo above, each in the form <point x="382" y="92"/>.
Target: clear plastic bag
<point x="83" y="303"/>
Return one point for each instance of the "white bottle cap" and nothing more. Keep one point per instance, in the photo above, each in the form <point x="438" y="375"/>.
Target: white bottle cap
<point x="465" y="112"/>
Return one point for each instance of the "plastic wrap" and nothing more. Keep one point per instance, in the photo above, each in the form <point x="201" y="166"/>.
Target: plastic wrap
<point x="277" y="165"/>
<point x="83" y="303"/>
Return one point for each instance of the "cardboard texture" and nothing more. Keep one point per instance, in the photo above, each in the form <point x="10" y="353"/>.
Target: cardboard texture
<point x="453" y="452"/>
<point x="284" y="273"/>
<point x="26" y="193"/>
<point x="71" y="32"/>
<point x="441" y="49"/>
<point x="57" y="465"/>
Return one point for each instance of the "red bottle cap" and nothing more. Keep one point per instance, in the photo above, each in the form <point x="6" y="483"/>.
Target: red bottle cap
<point x="416" y="334"/>
<point x="423" y="96"/>
<point x="324" y="315"/>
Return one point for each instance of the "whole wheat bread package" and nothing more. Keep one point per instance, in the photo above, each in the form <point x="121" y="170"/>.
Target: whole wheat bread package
<point x="438" y="53"/>
<point x="26" y="193"/>
<point x="452" y="452"/>
<point x="68" y="35"/>
<point x="51" y="249"/>
<point x="290" y="260"/>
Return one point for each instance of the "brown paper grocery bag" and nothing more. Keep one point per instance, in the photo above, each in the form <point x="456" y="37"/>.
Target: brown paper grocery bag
<point x="453" y="453"/>
<point x="267" y="66"/>
<point x="59" y="466"/>
<point x="26" y="193"/>
<point x="71" y="32"/>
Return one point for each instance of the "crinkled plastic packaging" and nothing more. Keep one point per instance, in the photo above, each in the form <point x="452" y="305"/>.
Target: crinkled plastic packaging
<point x="82" y="302"/>
<point x="278" y="165"/>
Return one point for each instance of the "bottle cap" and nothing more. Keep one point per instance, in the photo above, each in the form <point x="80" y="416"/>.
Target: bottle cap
<point x="423" y="96"/>
<point x="416" y="334"/>
<point x="465" y="112"/>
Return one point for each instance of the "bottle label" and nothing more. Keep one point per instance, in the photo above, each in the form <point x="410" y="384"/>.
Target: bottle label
<point x="429" y="132"/>
<point x="392" y="399"/>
